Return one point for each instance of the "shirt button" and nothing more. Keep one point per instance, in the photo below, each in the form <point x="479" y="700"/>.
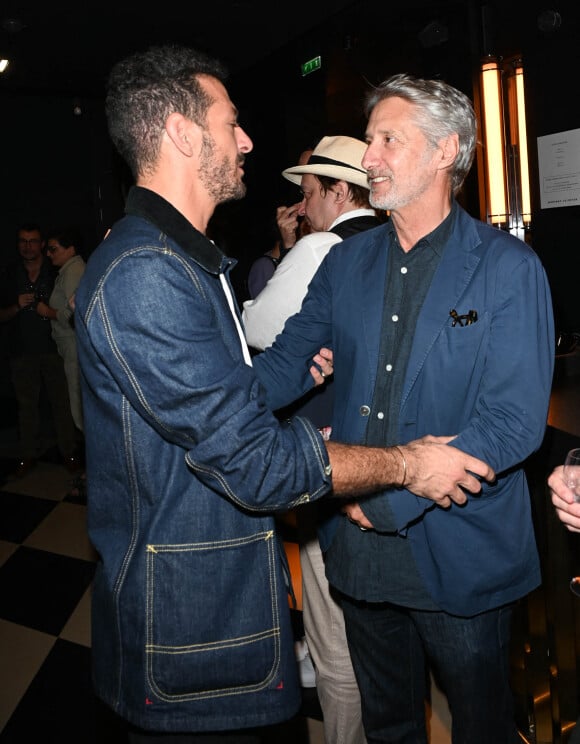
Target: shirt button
<point x="364" y="410"/>
<point x="328" y="470"/>
<point x="394" y="318"/>
<point x="389" y="367"/>
<point x="380" y="415"/>
<point x="403" y="269"/>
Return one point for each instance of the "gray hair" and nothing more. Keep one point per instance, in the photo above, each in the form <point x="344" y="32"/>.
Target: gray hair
<point x="440" y="110"/>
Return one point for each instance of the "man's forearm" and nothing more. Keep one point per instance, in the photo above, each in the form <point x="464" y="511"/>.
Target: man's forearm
<point x="429" y="467"/>
<point x="358" y="470"/>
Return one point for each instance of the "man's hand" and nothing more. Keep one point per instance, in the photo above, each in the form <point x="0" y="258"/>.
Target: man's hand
<point x="355" y="514"/>
<point x="43" y="309"/>
<point x="434" y="470"/>
<point x="567" y="510"/>
<point x="287" y="221"/>
<point x="429" y="467"/>
<point x="438" y="471"/>
<point x="322" y="367"/>
<point x="26" y="299"/>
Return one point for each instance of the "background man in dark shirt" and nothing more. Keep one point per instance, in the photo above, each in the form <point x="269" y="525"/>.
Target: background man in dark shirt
<point x="34" y="359"/>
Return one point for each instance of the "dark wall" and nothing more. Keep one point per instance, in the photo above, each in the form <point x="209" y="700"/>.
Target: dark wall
<point x="552" y="62"/>
<point x="283" y="114"/>
<point x="58" y="166"/>
<point x="447" y="40"/>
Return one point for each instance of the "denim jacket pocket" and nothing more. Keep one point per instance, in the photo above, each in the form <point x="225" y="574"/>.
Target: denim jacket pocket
<point x="198" y="645"/>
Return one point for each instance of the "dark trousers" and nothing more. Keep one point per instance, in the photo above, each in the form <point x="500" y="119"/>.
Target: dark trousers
<point x="137" y="736"/>
<point x="29" y="374"/>
<point x="391" y="647"/>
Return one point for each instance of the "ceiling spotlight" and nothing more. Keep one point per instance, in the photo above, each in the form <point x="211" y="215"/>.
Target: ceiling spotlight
<point x="13" y="25"/>
<point x="434" y="34"/>
<point x="549" y="20"/>
<point x="3" y="64"/>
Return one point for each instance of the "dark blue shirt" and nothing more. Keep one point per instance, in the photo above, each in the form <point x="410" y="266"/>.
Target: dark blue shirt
<point x="409" y="275"/>
<point x="28" y="333"/>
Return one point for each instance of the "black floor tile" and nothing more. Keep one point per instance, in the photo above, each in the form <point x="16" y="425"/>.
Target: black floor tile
<point x="60" y="707"/>
<point x="40" y="589"/>
<point x="289" y="732"/>
<point x="7" y="466"/>
<point x="21" y="515"/>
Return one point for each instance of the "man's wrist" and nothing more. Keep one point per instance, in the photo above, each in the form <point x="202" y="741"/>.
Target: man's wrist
<point x="403" y="478"/>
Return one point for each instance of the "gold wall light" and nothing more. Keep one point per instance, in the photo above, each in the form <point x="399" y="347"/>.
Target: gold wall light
<point x="522" y="210"/>
<point x="506" y="172"/>
<point x="497" y="210"/>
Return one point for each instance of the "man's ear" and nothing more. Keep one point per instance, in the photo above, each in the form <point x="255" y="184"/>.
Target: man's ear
<point x="340" y="189"/>
<point x="449" y="147"/>
<point x="182" y="132"/>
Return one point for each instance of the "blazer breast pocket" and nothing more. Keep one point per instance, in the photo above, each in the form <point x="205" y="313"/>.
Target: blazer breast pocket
<point x="464" y="330"/>
<point x="458" y="357"/>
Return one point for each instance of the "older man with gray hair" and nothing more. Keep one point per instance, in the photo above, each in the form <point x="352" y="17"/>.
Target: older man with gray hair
<point x="439" y="325"/>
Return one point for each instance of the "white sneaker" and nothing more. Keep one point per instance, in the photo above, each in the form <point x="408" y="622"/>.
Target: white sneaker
<point x="305" y="666"/>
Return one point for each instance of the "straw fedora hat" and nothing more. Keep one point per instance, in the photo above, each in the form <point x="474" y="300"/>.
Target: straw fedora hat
<point x="336" y="157"/>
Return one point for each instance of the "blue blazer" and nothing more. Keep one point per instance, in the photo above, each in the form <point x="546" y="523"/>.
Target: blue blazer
<point x="488" y="383"/>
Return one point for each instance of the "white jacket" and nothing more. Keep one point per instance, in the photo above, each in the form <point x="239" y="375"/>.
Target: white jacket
<point x="265" y="315"/>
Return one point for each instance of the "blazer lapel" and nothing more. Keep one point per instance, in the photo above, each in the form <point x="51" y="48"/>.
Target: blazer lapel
<point x="456" y="268"/>
<point x="373" y="278"/>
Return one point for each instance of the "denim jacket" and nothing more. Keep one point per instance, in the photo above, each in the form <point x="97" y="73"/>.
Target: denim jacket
<point x="185" y="466"/>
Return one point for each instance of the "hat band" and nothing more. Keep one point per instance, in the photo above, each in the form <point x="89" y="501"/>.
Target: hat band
<point x="319" y="160"/>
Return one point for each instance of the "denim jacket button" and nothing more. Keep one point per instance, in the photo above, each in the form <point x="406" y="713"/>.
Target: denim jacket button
<point x="364" y="410"/>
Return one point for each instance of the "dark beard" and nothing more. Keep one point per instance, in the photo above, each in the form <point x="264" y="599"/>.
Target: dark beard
<point x="220" y="178"/>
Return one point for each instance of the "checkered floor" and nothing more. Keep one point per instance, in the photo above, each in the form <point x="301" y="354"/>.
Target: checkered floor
<point x="46" y="570"/>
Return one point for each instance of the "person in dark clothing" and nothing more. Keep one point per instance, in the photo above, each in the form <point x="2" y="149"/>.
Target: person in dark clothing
<point x="26" y="286"/>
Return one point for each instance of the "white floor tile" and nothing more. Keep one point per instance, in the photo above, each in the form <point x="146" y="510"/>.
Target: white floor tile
<point x="78" y="626"/>
<point x="46" y="480"/>
<point x="64" y="531"/>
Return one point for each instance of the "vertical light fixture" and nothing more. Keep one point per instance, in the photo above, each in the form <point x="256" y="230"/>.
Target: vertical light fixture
<point x="518" y="140"/>
<point x="507" y="181"/>
<point x="497" y="208"/>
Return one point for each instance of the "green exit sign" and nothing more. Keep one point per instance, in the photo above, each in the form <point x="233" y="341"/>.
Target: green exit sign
<point x="311" y="65"/>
